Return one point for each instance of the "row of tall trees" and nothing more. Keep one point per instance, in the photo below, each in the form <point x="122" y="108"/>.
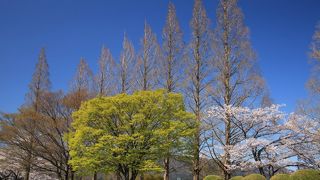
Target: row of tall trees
<point x="217" y="67"/>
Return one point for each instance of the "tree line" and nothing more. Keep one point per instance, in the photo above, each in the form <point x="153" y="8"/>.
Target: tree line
<point x="216" y="71"/>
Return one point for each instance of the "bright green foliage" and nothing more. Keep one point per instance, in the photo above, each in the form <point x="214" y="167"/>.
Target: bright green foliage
<point x="237" y="178"/>
<point x="213" y="177"/>
<point x="280" y="177"/>
<point x="305" y="174"/>
<point x="128" y="133"/>
<point x="254" y="177"/>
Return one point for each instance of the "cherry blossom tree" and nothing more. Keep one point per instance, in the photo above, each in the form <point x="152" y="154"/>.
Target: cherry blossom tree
<point x="264" y="139"/>
<point x="307" y="132"/>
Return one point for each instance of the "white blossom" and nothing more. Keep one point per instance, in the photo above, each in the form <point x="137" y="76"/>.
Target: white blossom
<point x="260" y="137"/>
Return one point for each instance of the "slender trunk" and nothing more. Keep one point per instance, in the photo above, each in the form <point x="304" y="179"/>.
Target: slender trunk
<point x="125" y="172"/>
<point x="27" y="173"/>
<point x="257" y="159"/>
<point x="119" y="172"/>
<point x="134" y="175"/>
<point x="33" y="124"/>
<point x="123" y="84"/>
<point x="118" y="176"/>
<point x="95" y="176"/>
<point x="68" y="170"/>
<point x="29" y="161"/>
<point x="227" y="90"/>
<point x="123" y="78"/>
<point x="141" y="176"/>
<point x="66" y="176"/>
<point x="127" y="176"/>
<point x="227" y="155"/>
<point x="59" y="174"/>
<point x="227" y="126"/>
<point x="227" y="175"/>
<point x="169" y="89"/>
<point x="166" y="168"/>
<point x="261" y="171"/>
<point x="196" y="162"/>
<point x="72" y="175"/>
<point x="145" y="75"/>
<point x="170" y="59"/>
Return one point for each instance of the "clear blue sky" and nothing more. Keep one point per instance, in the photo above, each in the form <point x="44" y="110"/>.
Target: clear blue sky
<point x="281" y="32"/>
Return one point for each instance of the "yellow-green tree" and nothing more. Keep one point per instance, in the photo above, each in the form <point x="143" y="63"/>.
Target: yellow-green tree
<point x="128" y="134"/>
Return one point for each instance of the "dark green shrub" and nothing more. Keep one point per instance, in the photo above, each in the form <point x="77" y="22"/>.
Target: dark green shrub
<point x="213" y="177"/>
<point x="280" y="177"/>
<point x="305" y="174"/>
<point x="237" y="178"/>
<point x="254" y="177"/>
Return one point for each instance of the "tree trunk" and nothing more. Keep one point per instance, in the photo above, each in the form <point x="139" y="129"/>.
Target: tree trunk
<point x="26" y="176"/>
<point x="227" y="156"/>
<point x="95" y="176"/>
<point x="127" y="176"/>
<point x="118" y="176"/>
<point x="141" y="176"/>
<point x="166" y="168"/>
<point x="134" y="175"/>
<point x="227" y="175"/>
<point x="66" y="176"/>
<point x="72" y="175"/>
<point x="59" y="174"/>
<point x="257" y="159"/>
<point x="261" y="171"/>
<point x="196" y="160"/>
<point x="125" y="172"/>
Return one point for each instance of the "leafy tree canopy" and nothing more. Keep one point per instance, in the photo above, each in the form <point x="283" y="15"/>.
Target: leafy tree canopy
<point x="128" y="133"/>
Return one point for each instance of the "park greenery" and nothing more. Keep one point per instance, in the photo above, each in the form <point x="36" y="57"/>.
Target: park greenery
<point x="306" y="174"/>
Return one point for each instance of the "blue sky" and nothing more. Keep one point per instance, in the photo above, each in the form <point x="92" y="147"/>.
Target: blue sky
<point x="281" y="32"/>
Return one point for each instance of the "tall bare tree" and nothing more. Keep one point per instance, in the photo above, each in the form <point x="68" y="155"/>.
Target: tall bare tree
<point x="127" y="64"/>
<point x="315" y="45"/>
<point x="309" y="107"/>
<point x="40" y="80"/>
<point x="81" y="86"/>
<point x="20" y="135"/>
<point x="172" y="50"/>
<point x="237" y="81"/>
<point x="146" y="63"/>
<point x="105" y="82"/>
<point x="314" y="82"/>
<point x="39" y="84"/>
<point x="83" y="77"/>
<point x="199" y="73"/>
<point x="172" y="53"/>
